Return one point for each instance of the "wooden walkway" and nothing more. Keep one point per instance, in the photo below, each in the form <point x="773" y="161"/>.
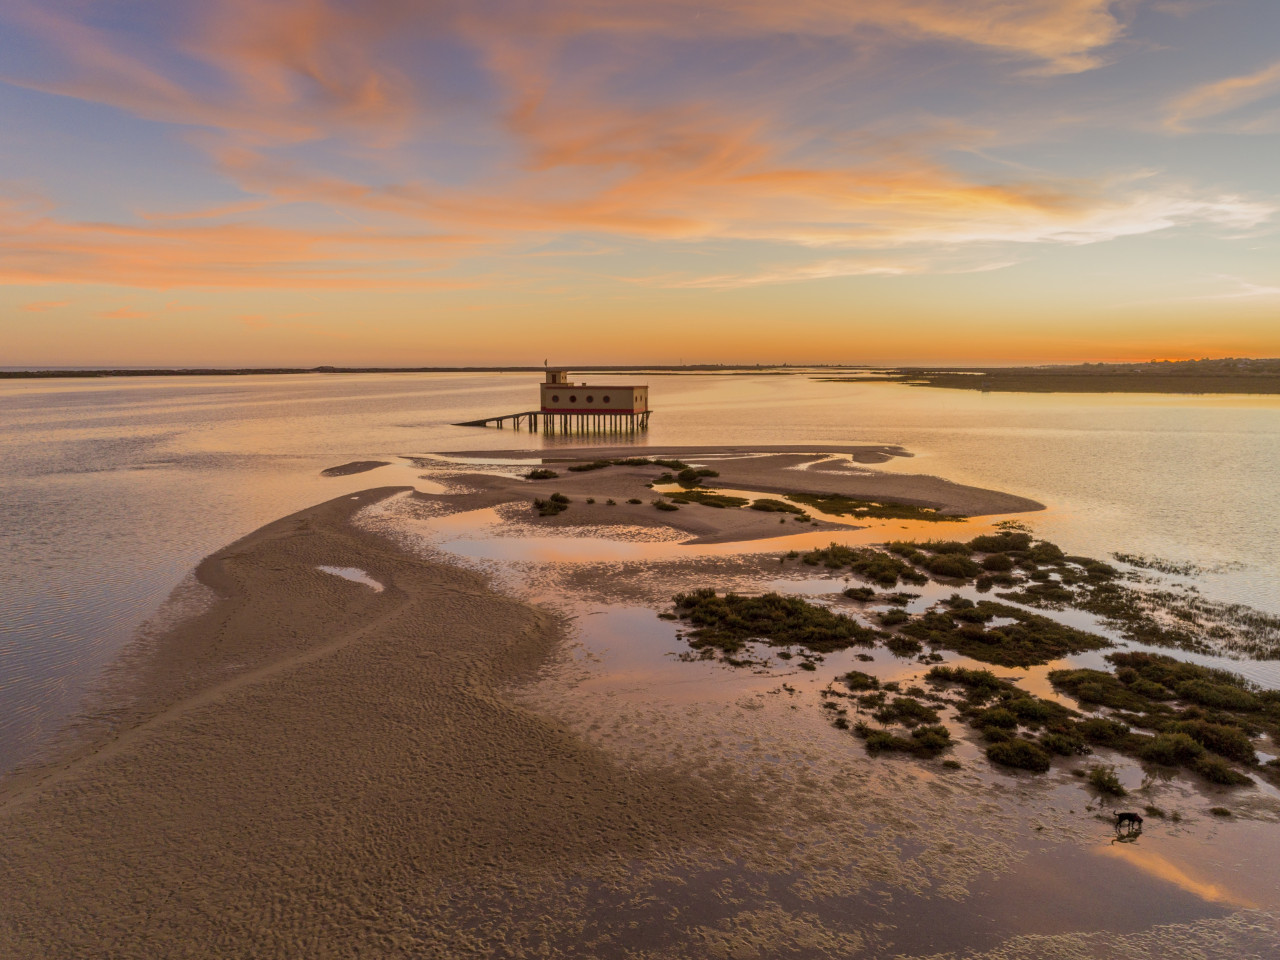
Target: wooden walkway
<point x="566" y="422"/>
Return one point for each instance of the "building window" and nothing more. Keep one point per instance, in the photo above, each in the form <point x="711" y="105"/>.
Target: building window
<point x="606" y="398"/>
<point x="590" y="398"/>
<point x="555" y="398"/>
<point x="573" y="398"/>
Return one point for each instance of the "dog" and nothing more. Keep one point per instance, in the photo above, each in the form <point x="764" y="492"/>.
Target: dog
<point x="1133" y="819"/>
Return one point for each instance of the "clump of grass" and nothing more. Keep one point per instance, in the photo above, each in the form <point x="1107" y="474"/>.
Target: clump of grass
<point x="591" y="500"/>
<point x="1103" y="779"/>
<point x="611" y="502"/>
<point x="1029" y="640"/>
<point x="556" y="503"/>
<point x="635" y="500"/>
<point x="952" y="764"/>
<point x="664" y="505"/>
<point x="541" y="473"/>
<point x="925" y="741"/>
<point x="727" y="621"/>
<point x="874" y="565"/>
<point x="907" y="711"/>
<point x="691" y="477"/>
<point x="862" y="594"/>
<point x="1220" y="811"/>
<point x="1151" y="810"/>
<point x="593" y="465"/>
<point x="843" y="506"/>
<point x="856" y="680"/>
<point x="1020" y="754"/>
<point x="707" y="499"/>
<point x="901" y="646"/>
<point x="766" y="505"/>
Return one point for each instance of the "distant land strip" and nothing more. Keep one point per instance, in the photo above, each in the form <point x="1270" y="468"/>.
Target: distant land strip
<point x="56" y="373"/>
<point x="1234" y="376"/>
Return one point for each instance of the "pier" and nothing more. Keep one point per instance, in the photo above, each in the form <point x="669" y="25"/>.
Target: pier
<point x="578" y="408"/>
<point x="565" y="422"/>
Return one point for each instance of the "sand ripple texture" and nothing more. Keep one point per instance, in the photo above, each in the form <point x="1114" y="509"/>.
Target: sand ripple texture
<point x="337" y="774"/>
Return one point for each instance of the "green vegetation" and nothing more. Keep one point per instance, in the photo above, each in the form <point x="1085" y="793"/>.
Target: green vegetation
<point x="1020" y="754"/>
<point x="691" y="477"/>
<point x="925" y="741"/>
<point x="874" y="565"/>
<point x="556" y="503"/>
<point x="1029" y="640"/>
<point x="842" y="506"/>
<point x="1104" y="780"/>
<point x="707" y="499"/>
<point x="664" y="505"/>
<point x="541" y="474"/>
<point x="593" y="465"/>
<point x="775" y="506"/>
<point x="635" y="500"/>
<point x="726" y="622"/>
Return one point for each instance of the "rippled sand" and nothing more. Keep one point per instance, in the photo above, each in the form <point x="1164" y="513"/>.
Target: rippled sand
<point x="310" y="767"/>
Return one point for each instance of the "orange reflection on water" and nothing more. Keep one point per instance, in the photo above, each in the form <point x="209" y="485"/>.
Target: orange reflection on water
<point x="1158" y="865"/>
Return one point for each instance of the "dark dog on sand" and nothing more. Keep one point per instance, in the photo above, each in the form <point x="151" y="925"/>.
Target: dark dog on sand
<point x="1133" y="819"/>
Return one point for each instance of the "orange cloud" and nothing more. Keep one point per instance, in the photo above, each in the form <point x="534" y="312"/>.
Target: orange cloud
<point x="1222" y="96"/>
<point x="40" y="306"/>
<point x="36" y="247"/>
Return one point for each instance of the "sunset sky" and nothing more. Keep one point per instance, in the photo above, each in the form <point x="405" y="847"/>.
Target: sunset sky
<point x="402" y="182"/>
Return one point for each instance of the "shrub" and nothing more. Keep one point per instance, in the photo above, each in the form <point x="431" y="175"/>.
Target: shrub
<point x="1229" y="742"/>
<point x="891" y="618"/>
<point x="635" y="500"/>
<point x="952" y="566"/>
<point x="997" y="717"/>
<point x="908" y="711"/>
<point x="857" y="680"/>
<point x="1104" y="780"/>
<point x="1021" y="754"/>
<point x="860" y="593"/>
<point x="903" y="646"/>
<point x="1216" y="770"/>
<point x="727" y="621"/>
<point x="541" y="474"/>
<point x="1063" y="744"/>
<point x="1102" y="730"/>
<point x="997" y="563"/>
<point x="560" y="498"/>
<point x="1000" y="542"/>
<point x="1171" y="749"/>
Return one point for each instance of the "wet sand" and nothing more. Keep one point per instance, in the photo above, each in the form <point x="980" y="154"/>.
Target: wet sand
<point x="311" y="767"/>
<point x="770" y="473"/>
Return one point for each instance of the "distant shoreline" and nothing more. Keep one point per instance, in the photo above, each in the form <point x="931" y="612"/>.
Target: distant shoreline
<point x="53" y="374"/>
<point x="1236" y="376"/>
<point x="1226" y="376"/>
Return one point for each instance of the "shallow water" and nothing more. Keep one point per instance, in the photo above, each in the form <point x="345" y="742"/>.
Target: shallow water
<point x="112" y="490"/>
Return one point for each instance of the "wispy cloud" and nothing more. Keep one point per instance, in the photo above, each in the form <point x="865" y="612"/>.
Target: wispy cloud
<point x="1221" y="96"/>
<point x="40" y="306"/>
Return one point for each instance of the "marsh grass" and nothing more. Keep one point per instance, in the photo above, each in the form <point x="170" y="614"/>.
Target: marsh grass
<point x="842" y="506"/>
<point x="556" y="503"/>
<point x="726" y="622"/>
<point x="541" y="473"/>
<point x="1103" y="779"/>
<point x="767" y="505"/>
<point x="708" y="499"/>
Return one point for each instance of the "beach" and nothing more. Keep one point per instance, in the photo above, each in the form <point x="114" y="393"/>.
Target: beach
<point x="407" y="758"/>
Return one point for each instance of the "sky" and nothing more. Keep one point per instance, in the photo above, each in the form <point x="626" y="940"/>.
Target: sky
<point x="438" y="182"/>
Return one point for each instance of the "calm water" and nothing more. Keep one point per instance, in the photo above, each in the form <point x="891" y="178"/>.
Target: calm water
<point x="110" y="491"/>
